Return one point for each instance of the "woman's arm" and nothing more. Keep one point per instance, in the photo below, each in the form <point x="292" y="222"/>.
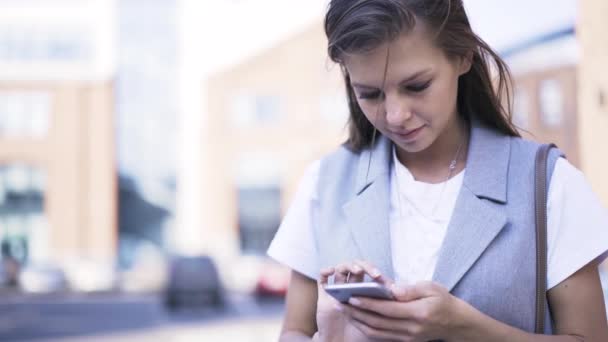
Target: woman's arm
<point x="578" y="310"/>
<point x="313" y="314"/>
<point x="299" y="323"/>
<point x="427" y="311"/>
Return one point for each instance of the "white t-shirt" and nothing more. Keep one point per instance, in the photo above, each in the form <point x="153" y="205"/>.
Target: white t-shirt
<point x="577" y="224"/>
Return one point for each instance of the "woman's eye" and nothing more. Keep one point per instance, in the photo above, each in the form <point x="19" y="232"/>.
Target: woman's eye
<point x="416" y="88"/>
<point x="370" y="95"/>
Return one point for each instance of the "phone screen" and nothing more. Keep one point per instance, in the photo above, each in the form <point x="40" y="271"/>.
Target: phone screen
<point x="343" y="292"/>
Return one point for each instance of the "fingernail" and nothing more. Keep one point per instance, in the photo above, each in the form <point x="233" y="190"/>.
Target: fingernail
<point x="375" y="273"/>
<point x="354" y="301"/>
<point x="338" y="307"/>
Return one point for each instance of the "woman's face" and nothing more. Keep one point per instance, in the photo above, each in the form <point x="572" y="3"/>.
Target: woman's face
<point x="417" y="103"/>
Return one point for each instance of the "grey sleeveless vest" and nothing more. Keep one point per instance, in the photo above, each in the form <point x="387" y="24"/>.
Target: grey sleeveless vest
<point x="488" y="255"/>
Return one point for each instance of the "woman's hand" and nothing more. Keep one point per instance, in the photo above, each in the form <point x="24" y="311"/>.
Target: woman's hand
<point x="422" y="312"/>
<point x="332" y="324"/>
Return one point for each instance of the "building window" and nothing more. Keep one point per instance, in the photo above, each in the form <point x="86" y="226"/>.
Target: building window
<point x="23" y="233"/>
<point x="250" y="110"/>
<point x="258" y="200"/>
<point x="45" y="44"/>
<point x="334" y="109"/>
<point x="24" y="114"/>
<point x="551" y="103"/>
<point x="258" y="216"/>
<point x="521" y="108"/>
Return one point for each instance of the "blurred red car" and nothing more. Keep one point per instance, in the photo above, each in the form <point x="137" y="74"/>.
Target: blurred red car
<point x="273" y="280"/>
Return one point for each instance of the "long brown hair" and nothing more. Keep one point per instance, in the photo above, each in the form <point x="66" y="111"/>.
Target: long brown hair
<point x="358" y="26"/>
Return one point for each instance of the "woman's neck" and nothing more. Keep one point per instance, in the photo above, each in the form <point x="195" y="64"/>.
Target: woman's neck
<point x="432" y="164"/>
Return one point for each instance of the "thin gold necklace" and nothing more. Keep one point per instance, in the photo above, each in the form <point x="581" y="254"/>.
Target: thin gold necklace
<point x="451" y="169"/>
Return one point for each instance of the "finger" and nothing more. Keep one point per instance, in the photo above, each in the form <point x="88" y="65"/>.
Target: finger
<point x="374" y="272"/>
<point x="372" y="319"/>
<point x="378" y="334"/>
<point x="357" y="274"/>
<point x="414" y="292"/>
<point x="388" y="308"/>
<point x="340" y="274"/>
<point x="345" y="271"/>
<point x="325" y="274"/>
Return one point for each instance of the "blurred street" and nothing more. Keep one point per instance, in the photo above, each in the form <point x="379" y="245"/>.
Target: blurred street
<point x="152" y="147"/>
<point x="113" y="317"/>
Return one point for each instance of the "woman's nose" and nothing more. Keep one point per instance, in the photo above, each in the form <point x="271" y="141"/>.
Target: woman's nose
<point x="397" y="110"/>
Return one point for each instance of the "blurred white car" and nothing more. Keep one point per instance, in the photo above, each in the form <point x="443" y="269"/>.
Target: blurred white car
<point x="148" y="272"/>
<point x="86" y="275"/>
<point x="42" y="278"/>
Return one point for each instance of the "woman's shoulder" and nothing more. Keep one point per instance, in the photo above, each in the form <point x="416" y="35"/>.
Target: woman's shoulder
<point x="526" y="148"/>
<point x="523" y="143"/>
<point x="340" y="154"/>
<point x="338" y="171"/>
<point x="339" y="160"/>
<point x="329" y="163"/>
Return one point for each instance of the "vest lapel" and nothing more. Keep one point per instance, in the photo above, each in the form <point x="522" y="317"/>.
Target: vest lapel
<point x="472" y="228"/>
<point x="477" y="219"/>
<point x="367" y="213"/>
<point x="478" y="216"/>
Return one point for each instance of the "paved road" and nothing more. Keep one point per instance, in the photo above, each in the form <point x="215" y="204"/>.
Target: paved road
<point x="116" y="318"/>
<point x="128" y="318"/>
<point x="238" y="330"/>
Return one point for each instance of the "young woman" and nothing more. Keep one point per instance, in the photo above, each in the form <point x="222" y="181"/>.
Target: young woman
<point x="433" y="196"/>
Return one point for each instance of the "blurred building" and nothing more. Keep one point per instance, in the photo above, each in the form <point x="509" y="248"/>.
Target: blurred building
<point x="57" y="158"/>
<point x="146" y="105"/>
<point x="593" y="93"/>
<point x="545" y="96"/>
<point x="269" y="118"/>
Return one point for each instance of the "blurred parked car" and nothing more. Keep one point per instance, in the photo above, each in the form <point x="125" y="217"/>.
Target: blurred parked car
<point x="4" y="280"/>
<point x="9" y="270"/>
<point x="193" y="281"/>
<point x="42" y="278"/>
<point x="87" y="275"/>
<point x="148" y="270"/>
<point x="273" y="280"/>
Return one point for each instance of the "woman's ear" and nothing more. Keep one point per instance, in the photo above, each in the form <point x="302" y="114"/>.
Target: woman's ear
<point x="464" y="63"/>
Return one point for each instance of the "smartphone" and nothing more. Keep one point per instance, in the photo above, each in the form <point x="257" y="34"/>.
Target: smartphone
<point x="342" y="292"/>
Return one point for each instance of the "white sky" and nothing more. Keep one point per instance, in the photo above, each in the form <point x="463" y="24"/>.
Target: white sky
<point x="239" y="28"/>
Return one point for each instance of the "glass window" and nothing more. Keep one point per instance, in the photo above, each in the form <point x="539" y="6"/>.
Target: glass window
<point x="259" y="200"/>
<point x="49" y="44"/>
<point x="521" y="108"/>
<point x="267" y="109"/>
<point x="242" y="111"/>
<point x="22" y="217"/>
<point x="259" y="216"/>
<point x="551" y="103"/>
<point x="250" y="110"/>
<point x="24" y="114"/>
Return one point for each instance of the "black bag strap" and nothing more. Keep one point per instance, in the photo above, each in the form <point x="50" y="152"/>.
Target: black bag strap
<point x="540" y="209"/>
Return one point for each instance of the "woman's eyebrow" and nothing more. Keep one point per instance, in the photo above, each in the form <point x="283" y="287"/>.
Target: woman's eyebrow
<point x="408" y="79"/>
<point x="362" y="86"/>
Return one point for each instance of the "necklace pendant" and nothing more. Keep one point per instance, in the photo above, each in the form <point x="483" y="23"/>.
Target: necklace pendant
<point x="452" y="165"/>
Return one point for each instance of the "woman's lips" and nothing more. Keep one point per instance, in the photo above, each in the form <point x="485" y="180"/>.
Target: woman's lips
<point x="409" y="135"/>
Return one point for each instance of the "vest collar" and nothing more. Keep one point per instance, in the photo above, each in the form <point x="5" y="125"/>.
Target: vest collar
<point x="486" y="167"/>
